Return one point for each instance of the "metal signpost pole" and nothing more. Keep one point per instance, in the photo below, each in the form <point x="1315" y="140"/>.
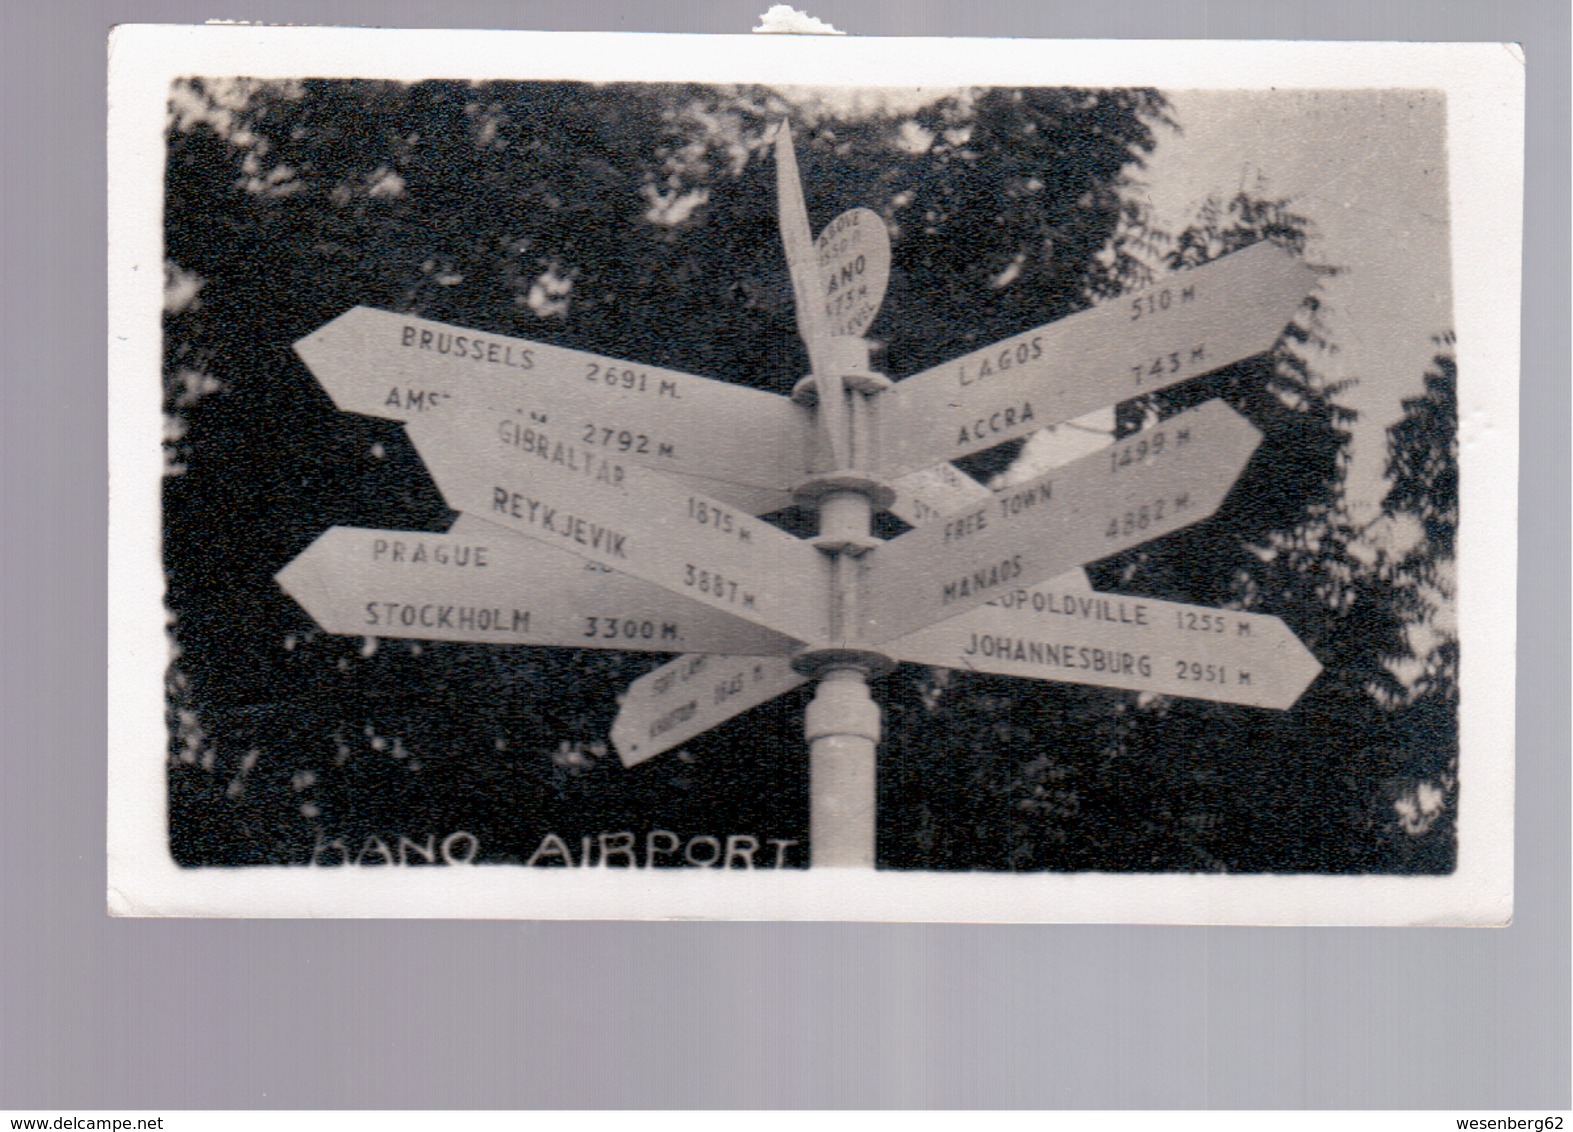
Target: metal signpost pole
<point x="841" y="724"/>
<point x="842" y="729"/>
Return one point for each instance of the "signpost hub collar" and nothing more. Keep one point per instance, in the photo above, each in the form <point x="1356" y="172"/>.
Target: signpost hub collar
<point x="846" y="357"/>
<point x="816" y="488"/>
<point x="824" y="662"/>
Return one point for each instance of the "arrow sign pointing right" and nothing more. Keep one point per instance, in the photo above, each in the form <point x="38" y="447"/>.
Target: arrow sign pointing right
<point x="1068" y="633"/>
<point x="1148" y="485"/>
<point x="1189" y="324"/>
<point x="630" y="518"/>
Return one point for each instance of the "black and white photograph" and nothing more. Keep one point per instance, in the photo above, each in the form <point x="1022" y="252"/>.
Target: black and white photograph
<point x="789" y="489"/>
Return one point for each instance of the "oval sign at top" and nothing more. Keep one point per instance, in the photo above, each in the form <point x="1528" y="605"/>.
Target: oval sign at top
<point x="853" y="253"/>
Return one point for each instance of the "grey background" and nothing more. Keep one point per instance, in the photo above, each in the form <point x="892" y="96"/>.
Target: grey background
<point x="98" y="1014"/>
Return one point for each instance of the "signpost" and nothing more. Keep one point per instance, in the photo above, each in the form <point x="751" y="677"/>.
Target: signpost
<point x="483" y="583"/>
<point x="611" y="504"/>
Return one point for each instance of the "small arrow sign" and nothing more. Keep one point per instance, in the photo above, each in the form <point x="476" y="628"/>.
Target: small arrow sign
<point x="1189" y="324"/>
<point x="600" y="507"/>
<point x="930" y="494"/>
<point x="854" y="269"/>
<point x="484" y="583"/>
<point x="402" y="368"/>
<point x="1063" y="631"/>
<point x="690" y="695"/>
<point x="1146" y="486"/>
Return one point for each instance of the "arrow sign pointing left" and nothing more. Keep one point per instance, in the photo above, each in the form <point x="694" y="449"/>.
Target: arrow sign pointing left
<point x="624" y="516"/>
<point x="690" y="695"/>
<point x="402" y="368"/>
<point x="483" y="583"/>
<point x="1148" y="485"/>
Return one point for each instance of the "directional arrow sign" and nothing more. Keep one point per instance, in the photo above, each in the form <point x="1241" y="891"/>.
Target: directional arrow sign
<point x="485" y="583"/>
<point x="1191" y="323"/>
<point x="690" y="695"/>
<point x="600" y="507"/>
<point x="854" y="269"/>
<point x="802" y="260"/>
<point x="1148" y="485"/>
<point x="812" y="325"/>
<point x="395" y="366"/>
<point x="924" y="496"/>
<point x="1068" y="633"/>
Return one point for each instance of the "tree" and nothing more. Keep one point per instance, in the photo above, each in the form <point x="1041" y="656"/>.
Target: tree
<point x="1420" y="823"/>
<point x="1074" y="779"/>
